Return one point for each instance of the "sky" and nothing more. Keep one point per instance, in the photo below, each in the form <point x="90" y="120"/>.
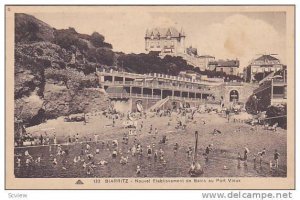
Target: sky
<point x="225" y="35"/>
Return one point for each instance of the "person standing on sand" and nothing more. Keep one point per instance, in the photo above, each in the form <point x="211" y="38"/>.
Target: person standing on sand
<point x="155" y="155"/>
<point x="150" y="131"/>
<point x="149" y="151"/>
<point x="176" y="146"/>
<point x="261" y="155"/>
<point x="54" y="140"/>
<point x="114" y="122"/>
<point x="207" y="150"/>
<point x="141" y="125"/>
<point x="254" y="161"/>
<point x="77" y="138"/>
<point x="70" y="139"/>
<point x="189" y="152"/>
<point x="276" y="158"/>
<point x="41" y="139"/>
<point x="239" y="158"/>
<point x="246" y="151"/>
<point x="138" y="170"/>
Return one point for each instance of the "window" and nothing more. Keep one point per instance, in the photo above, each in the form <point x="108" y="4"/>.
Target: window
<point x="278" y="90"/>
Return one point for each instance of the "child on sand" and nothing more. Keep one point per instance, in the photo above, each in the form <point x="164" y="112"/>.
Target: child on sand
<point x="261" y="155"/>
<point x="114" y="153"/>
<point x="176" y="146"/>
<point x="155" y="155"/>
<point x="138" y="169"/>
<point x="149" y="151"/>
<point x="189" y="152"/>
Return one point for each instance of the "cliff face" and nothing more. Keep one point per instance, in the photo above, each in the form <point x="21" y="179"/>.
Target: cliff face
<point x="52" y="79"/>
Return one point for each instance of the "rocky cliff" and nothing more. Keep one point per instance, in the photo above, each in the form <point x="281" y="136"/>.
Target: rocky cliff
<point x="54" y="75"/>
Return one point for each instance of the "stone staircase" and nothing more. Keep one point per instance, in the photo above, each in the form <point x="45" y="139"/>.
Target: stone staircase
<point x="159" y="104"/>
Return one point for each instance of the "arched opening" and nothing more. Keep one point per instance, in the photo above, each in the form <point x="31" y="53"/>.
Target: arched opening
<point x="139" y="105"/>
<point x="234" y="96"/>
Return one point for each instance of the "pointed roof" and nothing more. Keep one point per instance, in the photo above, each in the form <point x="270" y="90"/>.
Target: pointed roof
<point x="266" y="57"/>
<point x="163" y="32"/>
<point x="265" y="60"/>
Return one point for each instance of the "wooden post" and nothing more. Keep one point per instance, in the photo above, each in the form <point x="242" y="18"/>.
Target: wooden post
<point x="196" y="145"/>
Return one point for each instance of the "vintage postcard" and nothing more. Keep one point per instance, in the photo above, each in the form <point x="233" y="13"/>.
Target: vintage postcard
<point x="150" y="97"/>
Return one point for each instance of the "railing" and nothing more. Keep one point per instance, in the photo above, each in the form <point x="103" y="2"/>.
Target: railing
<point x="156" y="75"/>
<point x="156" y="85"/>
<point x="126" y="95"/>
<point x="234" y="83"/>
<point x="158" y="97"/>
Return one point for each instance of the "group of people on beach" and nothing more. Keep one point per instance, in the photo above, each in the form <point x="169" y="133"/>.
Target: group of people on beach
<point x="129" y="149"/>
<point x="258" y="158"/>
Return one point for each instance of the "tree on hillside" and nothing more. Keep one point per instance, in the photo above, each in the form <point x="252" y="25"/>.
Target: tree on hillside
<point x="66" y="37"/>
<point x="98" y="40"/>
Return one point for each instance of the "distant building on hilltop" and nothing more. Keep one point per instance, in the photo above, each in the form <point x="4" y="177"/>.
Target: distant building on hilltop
<point x="229" y="67"/>
<point x="263" y="65"/>
<point x="170" y="41"/>
<point x="166" y="41"/>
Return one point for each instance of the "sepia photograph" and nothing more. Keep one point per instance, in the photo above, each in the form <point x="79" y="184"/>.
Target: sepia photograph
<point x="150" y="97"/>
